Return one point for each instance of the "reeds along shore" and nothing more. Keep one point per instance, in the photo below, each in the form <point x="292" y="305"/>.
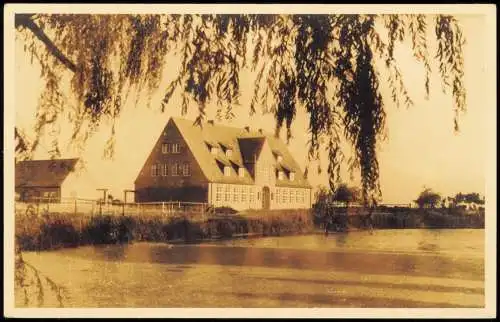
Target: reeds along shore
<point x="58" y="230"/>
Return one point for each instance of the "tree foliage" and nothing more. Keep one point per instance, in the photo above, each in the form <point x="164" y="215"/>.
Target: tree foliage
<point x="428" y="199"/>
<point x="472" y="197"/>
<point x="323" y="63"/>
<point x="344" y="193"/>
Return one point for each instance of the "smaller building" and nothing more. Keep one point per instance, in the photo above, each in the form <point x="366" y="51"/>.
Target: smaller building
<point x="46" y="180"/>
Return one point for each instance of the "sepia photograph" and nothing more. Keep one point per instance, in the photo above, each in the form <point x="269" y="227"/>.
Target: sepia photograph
<point x="249" y="160"/>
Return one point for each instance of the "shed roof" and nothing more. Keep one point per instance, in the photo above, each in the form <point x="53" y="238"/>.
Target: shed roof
<point x="43" y="173"/>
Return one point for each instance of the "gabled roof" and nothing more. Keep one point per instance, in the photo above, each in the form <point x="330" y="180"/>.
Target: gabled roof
<point x="43" y="173"/>
<point x="244" y="144"/>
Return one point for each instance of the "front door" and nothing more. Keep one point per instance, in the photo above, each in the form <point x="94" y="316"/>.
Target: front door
<point x="266" y="198"/>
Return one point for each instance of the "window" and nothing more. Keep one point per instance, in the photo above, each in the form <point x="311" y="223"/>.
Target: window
<point x="284" y="196"/>
<point x="292" y="195"/>
<point x="218" y="193"/>
<point x="165" y="148"/>
<point x="214" y="150"/>
<point x="165" y="170"/>
<point x="258" y="195"/>
<point x="299" y="192"/>
<point x="229" y="152"/>
<point x="303" y="196"/>
<point x="241" y="172"/>
<point x="155" y="169"/>
<point x="227" y="171"/>
<point x="279" y="158"/>
<point x="280" y="175"/>
<point x="292" y="176"/>
<point x="278" y="195"/>
<point x="236" y="194"/>
<point x="227" y="193"/>
<point x="243" y="194"/>
<point x="176" y="148"/>
<point x="186" y="170"/>
<point x="251" y="195"/>
<point x="175" y="169"/>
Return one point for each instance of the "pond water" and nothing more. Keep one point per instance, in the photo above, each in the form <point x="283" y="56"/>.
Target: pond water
<point x="385" y="268"/>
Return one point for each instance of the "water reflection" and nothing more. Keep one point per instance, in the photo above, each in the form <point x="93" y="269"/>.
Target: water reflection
<point x="370" y="263"/>
<point x="430" y="240"/>
<point x="387" y="269"/>
<point x="111" y="252"/>
<point x="341" y="239"/>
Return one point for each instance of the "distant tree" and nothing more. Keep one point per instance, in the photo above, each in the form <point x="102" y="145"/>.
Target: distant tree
<point x="346" y="194"/>
<point x="428" y="199"/>
<point x="322" y="195"/>
<point x="471" y="199"/>
<point x="323" y="199"/>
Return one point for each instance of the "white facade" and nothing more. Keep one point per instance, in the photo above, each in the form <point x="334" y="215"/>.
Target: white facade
<point x="241" y="197"/>
<point x="78" y="185"/>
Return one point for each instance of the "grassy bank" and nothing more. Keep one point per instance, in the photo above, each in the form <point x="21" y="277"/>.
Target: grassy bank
<point x="68" y="230"/>
<point x="65" y="230"/>
<point x="407" y="218"/>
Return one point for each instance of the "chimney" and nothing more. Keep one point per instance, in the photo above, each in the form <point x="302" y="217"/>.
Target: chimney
<point x="260" y="131"/>
<point x="211" y="122"/>
<point x="247" y="128"/>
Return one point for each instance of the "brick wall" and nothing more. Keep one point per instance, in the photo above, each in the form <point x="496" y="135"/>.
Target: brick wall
<point x="151" y="188"/>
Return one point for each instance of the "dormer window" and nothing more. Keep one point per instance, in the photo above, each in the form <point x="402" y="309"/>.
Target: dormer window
<point x="241" y="172"/>
<point x="229" y="152"/>
<point x="227" y="171"/>
<point x="214" y="150"/>
<point x="281" y="175"/>
<point x="292" y="176"/>
<point x="278" y="156"/>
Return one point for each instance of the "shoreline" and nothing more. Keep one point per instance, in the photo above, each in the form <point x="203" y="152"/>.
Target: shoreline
<point x="56" y="231"/>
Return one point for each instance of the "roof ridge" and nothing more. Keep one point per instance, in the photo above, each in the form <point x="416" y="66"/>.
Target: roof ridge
<point x="264" y="133"/>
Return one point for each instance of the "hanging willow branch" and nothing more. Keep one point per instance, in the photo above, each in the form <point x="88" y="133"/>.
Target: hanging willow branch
<point x="322" y="63"/>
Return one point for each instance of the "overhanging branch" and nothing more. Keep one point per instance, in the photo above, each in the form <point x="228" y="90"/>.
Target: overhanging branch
<point x="25" y="20"/>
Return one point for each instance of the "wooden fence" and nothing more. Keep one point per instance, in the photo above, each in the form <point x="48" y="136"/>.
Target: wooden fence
<point x="91" y="207"/>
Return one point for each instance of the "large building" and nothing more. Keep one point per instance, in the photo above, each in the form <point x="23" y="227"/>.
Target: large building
<point x="223" y="166"/>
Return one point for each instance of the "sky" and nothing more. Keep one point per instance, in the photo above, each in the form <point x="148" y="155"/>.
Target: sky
<point x="421" y="149"/>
